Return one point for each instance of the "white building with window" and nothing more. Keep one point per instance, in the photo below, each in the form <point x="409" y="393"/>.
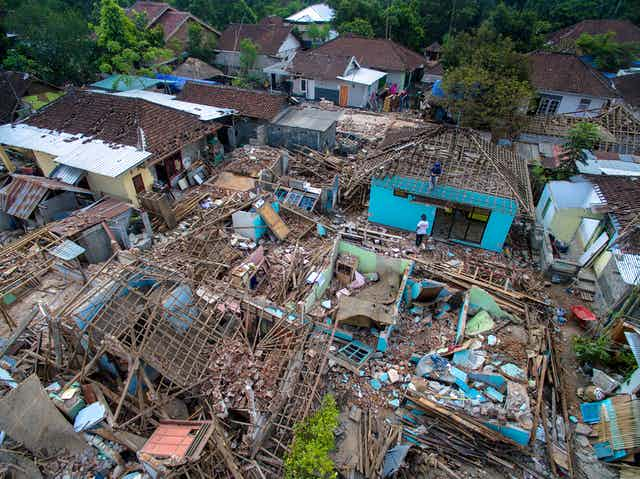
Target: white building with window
<point x="567" y="85"/>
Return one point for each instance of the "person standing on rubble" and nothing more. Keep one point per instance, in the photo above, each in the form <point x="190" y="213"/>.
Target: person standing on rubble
<point x="436" y="171"/>
<point x="421" y="230"/>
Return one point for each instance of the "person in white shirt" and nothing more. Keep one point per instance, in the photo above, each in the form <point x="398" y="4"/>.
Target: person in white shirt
<point x="421" y="229"/>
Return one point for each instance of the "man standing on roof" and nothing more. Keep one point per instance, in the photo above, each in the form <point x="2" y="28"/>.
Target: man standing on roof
<point x="436" y="171"/>
<point x="421" y="230"/>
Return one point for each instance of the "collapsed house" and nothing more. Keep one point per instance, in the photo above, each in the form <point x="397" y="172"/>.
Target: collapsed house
<point x="482" y="188"/>
<point x="132" y="142"/>
<point x="590" y="233"/>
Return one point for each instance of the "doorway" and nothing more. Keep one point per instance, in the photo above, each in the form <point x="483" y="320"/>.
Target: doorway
<point x="344" y="95"/>
<point x="461" y="223"/>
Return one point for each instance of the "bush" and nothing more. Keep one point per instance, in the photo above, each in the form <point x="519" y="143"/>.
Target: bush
<point x="313" y="440"/>
<point x="592" y="350"/>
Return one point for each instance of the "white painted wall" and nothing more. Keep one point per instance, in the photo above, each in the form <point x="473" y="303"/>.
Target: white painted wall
<point x="571" y="102"/>
<point x="358" y="94"/>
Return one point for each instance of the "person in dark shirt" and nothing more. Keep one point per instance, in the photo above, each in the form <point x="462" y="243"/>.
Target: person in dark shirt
<point x="436" y="171"/>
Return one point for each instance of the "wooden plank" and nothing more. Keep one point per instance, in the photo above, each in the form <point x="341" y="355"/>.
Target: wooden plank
<point x="272" y="219"/>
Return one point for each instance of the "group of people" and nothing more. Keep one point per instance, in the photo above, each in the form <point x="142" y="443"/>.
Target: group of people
<point x="389" y="99"/>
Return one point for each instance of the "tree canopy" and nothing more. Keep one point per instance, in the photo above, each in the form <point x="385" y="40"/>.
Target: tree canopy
<point x="125" y="45"/>
<point x="486" y="81"/>
<point x="608" y="54"/>
<point x="54" y="42"/>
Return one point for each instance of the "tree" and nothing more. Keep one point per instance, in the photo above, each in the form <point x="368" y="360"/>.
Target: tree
<point x="200" y="44"/>
<point x="608" y="54"/>
<point x="313" y="440"/>
<point x="405" y="24"/>
<point x="582" y="136"/>
<point x="248" y="55"/>
<point x="524" y="27"/>
<point x="54" y="42"/>
<point x="486" y="82"/>
<point x="358" y="26"/>
<point x="318" y="34"/>
<point x="126" y="46"/>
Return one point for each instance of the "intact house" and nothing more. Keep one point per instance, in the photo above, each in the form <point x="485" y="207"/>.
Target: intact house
<point x="341" y="79"/>
<point x="174" y="23"/>
<point x="565" y="39"/>
<point x="566" y="84"/>
<point x="254" y="108"/>
<point x="275" y="42"/>
<point x="311" y="127"/>
<point x="21" y="94"/>
<point x="319" y="15"/>
<point x="31" y="201"/>
<point x="124" y="142"/>
<point x="591" y="233"/>
<point x="482" y="188"/>
<point x="402" y="66"/>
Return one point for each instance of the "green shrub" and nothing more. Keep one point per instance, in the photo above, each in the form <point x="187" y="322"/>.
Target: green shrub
<point x="592" y="350"/>
<point x="313" y="440"/>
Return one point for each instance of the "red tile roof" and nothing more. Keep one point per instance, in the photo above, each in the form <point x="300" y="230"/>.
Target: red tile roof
<point x="169" y="18"/>
<point x="152" y="9"/>
<point x="118" y="120"/>
<point x="624" y="30"/>
<point x="13" y="86"/>
<point x="251" y="103"/>
<point x="563" y="72"/>
<point x="629" y="88"/>
<point x="319" y="66"/>
<point x="269" y="35"/>
<point x="377" y="53"/>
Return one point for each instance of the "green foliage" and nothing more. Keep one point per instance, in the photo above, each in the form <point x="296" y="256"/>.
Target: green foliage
<point x="318" y="33"/>
<point x="220" y="13"/>
<point x="593" y="350"/>
<point x="54" y="42"/>
<point x="524" y="27"/>
<point x="357" y="26"/>
<point x="125" y="45"/>
<point x="608" y="54"/>
<point x="582" y="136"/>
<point x="248" y="55"/>
<point x="200" y="44"/>
<point x="486" y="81"/>
<point x="313" y="440"/>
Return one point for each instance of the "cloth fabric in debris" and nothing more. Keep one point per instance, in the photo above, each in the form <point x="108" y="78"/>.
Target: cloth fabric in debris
<point x="479" y="324"/>
<point x="479" y="299"/>
<point x="393" y="459"/>
<point x="89" y="416"/>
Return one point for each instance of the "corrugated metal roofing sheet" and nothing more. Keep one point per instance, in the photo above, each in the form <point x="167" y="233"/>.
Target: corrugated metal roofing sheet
<point x="20" y="197"/>
<point x="80" y="220"/>
<point x="67" y="250"/>
<point x="73" y="150"/>
<point x="67" y="174"/>
<point x="628" y="266"/>
<point x="634" y="343"/>
<point x="125" y="83"/>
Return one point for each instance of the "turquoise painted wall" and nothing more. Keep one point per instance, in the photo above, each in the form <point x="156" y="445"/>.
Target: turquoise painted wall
<point x="496" y="231"/>
<point x="387" y="209"/>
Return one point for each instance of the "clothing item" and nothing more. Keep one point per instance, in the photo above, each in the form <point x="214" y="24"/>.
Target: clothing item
<point x="419" y="239"/>
<point x="422" y="227"/>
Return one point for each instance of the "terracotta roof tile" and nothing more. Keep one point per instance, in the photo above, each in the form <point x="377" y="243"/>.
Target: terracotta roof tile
<point x="152" y="9"/>
<point x="376" y="53"/>
<point x="624" y="30"/>
<point x="564" y="72"/>
<point x="11" y="82"/>
<point x="251" y="103"/>
<point x="170" y="21"/>
<point x="629" y="88"/>
<point x="319" y="66"/>
<point x="268" y="36"/>
<point x="116" y="119"/>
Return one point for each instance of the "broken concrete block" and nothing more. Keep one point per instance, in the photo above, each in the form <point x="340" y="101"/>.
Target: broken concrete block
<point x="394" y="377"/>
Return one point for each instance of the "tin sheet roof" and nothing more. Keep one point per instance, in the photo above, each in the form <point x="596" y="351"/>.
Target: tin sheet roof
<point x="203" y="112"/>
<point x="74" y="150"/>
<point x="20" y="197"/>
<point x="629" y="267"/>
<point x="67" y="174"/>
<point x="80" y="220"/>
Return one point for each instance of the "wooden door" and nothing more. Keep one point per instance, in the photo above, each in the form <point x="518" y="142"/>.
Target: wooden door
<point x="138" y="184"/>
<point x="344" y="95"/>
